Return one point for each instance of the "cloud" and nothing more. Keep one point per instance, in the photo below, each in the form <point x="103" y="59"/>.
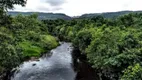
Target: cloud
<point x="39" y="6"/>
<point x="57" y="9"/>
<point x="79" y="7"/>
<point x="55" y="2"/>
<point x="48" y="9"/>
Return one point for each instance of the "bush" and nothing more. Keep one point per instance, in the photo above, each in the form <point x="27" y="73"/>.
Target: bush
<point x="133" y="73"/>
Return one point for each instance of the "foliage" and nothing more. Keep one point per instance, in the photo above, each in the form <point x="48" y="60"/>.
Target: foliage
<point x="9" y="4"/>
<point x="22" y="38"/>
<point x="133" y="73"/>
<point x="111" y="45"/>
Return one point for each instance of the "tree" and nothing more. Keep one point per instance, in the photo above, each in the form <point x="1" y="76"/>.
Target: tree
<point x="9" y="4"/>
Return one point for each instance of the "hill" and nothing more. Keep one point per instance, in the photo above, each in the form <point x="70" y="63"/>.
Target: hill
<point x="108" y="14"/>
<point x="42" y="15"/>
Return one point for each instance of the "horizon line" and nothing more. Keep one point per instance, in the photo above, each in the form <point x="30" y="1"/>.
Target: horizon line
<point x="77" y="15"/>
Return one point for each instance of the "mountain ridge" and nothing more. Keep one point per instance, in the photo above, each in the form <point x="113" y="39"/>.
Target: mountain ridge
<point x="53" y="16"/>
<point x="108" y="14"/>
<point x="42" y="15"/>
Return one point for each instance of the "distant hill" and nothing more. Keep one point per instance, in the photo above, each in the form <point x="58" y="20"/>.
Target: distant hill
<point x="108" y="14"/>
<point x="42" y="16"/>
<point x="53" y="16"/>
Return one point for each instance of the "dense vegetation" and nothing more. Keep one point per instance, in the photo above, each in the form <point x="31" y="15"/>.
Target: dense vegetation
<point x="113" y="47"/>
<point x="21" y="37"/>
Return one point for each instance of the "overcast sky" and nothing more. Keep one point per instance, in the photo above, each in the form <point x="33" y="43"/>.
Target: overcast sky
<point x="79" y="7"/>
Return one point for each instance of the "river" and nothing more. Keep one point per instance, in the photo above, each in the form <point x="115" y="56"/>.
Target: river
<point x="59" y="66"/>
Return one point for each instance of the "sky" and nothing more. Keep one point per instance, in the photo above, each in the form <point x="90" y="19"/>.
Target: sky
<point x="79" y="7"/>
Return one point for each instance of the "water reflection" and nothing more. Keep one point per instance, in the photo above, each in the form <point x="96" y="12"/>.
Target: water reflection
<point x="81" y="66"/>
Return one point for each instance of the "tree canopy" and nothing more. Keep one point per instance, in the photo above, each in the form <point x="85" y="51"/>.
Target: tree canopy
<point x="9" y="4"/>
<point x="113" y="46"/>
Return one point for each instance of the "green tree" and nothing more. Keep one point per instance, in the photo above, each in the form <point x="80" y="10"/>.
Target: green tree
<point x="9" y="4"/>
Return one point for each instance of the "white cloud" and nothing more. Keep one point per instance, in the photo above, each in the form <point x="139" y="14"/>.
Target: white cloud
<point x="37" y="6"/>
<point x="78" y="7"/>
<point x="55" y="2"/>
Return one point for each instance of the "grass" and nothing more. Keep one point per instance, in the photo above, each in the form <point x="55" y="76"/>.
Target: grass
<point x="29" y="50"/>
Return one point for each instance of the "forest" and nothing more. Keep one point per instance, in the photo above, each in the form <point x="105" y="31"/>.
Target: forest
<point x="113" y="47"/>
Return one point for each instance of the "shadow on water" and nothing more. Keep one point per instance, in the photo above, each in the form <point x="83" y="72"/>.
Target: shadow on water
<point x="82" y="67"/>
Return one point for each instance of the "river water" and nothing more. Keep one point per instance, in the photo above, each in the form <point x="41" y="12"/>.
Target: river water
<point x="56" y="67"/>
<point x="59" y="66"/>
